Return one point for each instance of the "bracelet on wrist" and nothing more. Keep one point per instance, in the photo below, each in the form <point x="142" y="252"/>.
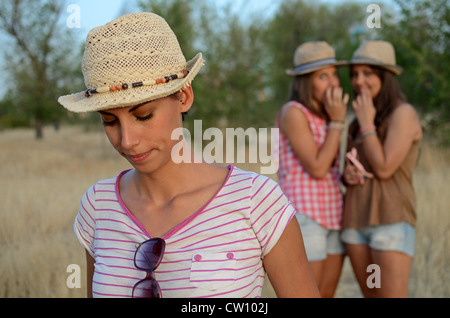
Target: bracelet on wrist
<point x="368" y="134"/>
<point x="335" y="124"/>
<point x="365" y="129"/>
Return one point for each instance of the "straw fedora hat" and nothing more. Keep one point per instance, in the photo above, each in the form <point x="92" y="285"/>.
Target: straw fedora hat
<point x="131" y="60"/>
<point x="377" y="53"/>
<point x="312" y="56"/>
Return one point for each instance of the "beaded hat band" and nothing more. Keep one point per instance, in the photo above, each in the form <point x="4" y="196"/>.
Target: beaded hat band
<point x="104" y="89"/>
<point x="126" y="62"/>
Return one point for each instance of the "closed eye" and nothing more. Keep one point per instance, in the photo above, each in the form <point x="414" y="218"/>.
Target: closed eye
<point x="109" y="123"/>
<point x="108" y="119"/>
<point x="144" y="118"/>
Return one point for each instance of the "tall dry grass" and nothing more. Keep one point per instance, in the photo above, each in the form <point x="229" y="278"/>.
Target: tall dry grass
<point x="41" y="183"/>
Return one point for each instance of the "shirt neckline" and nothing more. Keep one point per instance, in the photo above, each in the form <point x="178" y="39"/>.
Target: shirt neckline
<point x="180" y="225"/>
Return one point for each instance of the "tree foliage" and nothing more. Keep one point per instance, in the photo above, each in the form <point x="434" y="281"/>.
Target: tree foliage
<point x="38" y="66"/>
<point x="243" y="82"/>
<point x="421" y="35"/>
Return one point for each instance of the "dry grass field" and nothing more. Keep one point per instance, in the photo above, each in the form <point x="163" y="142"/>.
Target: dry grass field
<point x="41" y="183"/>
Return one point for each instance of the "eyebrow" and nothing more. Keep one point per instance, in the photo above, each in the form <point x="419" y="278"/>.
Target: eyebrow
<point x="136" y="107"/>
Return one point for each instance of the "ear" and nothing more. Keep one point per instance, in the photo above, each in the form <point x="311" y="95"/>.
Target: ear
<point x="186" y="98"/>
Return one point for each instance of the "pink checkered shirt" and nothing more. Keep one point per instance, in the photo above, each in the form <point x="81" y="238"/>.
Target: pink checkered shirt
<point x="320" y="199"/>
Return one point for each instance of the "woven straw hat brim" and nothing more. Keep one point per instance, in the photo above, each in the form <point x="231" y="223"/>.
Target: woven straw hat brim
<point x="79" y="103"/>
<point x="305" y="69"/>
<point x="397" y="70"/>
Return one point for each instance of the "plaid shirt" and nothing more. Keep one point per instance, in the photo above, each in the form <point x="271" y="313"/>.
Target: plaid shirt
<point x="321" y="199"/>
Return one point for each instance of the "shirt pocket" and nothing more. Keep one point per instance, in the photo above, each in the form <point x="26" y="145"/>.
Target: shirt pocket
<point x="213" y="271"/>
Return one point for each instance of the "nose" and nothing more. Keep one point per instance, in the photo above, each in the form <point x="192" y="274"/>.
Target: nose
<point x="358" y="80"/>
<point x="128" y="137"/>
<point x="333" y="82"/>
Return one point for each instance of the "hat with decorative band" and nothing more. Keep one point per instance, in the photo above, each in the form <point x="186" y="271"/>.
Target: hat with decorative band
<point x="129" y="61"/>
<point x="377" y="53"/>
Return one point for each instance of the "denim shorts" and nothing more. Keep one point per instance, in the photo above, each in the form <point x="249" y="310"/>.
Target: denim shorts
<point x="319" y="241"/>
<point x="398" y="237"/>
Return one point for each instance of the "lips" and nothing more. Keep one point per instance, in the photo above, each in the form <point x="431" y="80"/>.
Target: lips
<point x="138" y="158"/>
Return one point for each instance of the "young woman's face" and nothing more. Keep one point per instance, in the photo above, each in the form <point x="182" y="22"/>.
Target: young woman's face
<point x="142" y="133"/>
<point x="323" y="79"/>
<point x="364" y="77"/>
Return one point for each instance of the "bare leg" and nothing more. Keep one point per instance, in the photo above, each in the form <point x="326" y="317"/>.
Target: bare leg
<point x="327" y="273"/>
<point x="330" y="275"/>
<point x="395" y="268"/>
<point x="360" y="258"/>
<point x="317" y="268"/>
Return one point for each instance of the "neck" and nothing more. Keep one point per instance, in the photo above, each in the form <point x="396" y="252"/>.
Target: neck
<point x="164" y="184"/>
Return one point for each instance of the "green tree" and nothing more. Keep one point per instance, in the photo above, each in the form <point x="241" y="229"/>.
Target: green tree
<point x="231" y="86"/>
<point x="420" y="34"/>
<point x="39" y="60"/>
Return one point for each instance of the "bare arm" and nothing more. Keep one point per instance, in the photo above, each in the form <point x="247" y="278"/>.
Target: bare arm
<point x="403" y="129"/>
<point x="90" y="273"/>
<point x="287" y="266"/>
<point x="294" y="125"/>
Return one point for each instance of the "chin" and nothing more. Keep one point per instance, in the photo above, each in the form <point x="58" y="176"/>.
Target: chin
<point x="152" y="166"/>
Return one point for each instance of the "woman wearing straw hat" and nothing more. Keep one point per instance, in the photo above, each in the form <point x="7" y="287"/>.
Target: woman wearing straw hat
<point x="311" y="124"/>
<point x="379" y="215"/>
<point x="164" y="228"/>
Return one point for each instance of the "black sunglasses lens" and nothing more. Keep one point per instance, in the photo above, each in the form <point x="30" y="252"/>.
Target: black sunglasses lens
<point x="149" y="254"/>
<point x="148" y="288"/>
<point x="147" y="258"/>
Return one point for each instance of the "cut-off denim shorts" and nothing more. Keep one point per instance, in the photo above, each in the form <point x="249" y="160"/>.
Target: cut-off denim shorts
<point x="398" y="237"/>
<point x="319" y="241"/>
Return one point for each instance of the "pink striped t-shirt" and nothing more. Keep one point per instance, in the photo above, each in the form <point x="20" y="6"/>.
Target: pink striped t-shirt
<point x="217" y="252"/>
<point x="320" y="199"/>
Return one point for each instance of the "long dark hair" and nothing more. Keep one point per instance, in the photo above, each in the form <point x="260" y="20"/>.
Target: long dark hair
<point x="301" y="91"/>
<point x="389" y="97"/>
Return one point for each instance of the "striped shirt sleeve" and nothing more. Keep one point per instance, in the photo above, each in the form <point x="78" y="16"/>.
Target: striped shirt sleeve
<point x="84" y="225"/>
<point x="271" y="212"/>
